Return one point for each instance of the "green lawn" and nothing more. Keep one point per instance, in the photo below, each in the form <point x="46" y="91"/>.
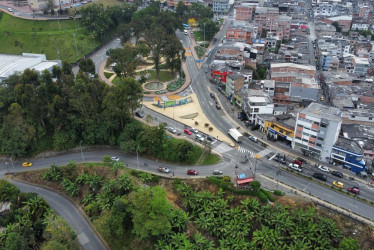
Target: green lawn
<point x="44" y="37"/>
<point x="199" y="51"/>
<point x="108" y="74"/>
<point x="165" y="76"/>
<point x="199" y="35"/>
<point x="209" y="159"/>
<point x="116" y="80"/>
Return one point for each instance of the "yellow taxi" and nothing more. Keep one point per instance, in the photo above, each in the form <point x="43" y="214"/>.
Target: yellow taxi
<point x="338" y="184"/>
<point x="26" y="164"/>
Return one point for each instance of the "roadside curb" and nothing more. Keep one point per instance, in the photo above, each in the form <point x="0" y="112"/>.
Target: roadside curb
<point x="323" y="202"/>
<point x="71" y="201"/>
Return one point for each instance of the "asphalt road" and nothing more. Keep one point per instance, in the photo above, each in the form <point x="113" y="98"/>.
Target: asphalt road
<point x="87" y="238"/>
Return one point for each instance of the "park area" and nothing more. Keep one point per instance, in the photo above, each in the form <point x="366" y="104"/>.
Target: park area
<point x="67" y="38"/>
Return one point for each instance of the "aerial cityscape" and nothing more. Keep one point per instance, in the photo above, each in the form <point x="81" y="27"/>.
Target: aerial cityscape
<point x="195" y="124"/>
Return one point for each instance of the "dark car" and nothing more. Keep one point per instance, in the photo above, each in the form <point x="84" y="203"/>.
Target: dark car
<point x="218" y="107"/>
<point x="139" y="114"/>
<point x="337" y="174"/>
<point x="209" y="138"/>
<point x="320" y="176"/>
<point x="255" y="127"/>
<point x="212" y="95"/>
<point x="280" y="158"/>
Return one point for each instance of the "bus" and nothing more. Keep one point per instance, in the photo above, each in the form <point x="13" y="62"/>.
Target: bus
<point x="186" y="26"/>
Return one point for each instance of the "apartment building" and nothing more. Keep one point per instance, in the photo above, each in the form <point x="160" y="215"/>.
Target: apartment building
<point x="360" y="65"/>
<point x="294" y="68"/>
<point x="234" y="82"/>
<point x="268" y="18"/>
<point x="344" y="22"/>
<point x="284" y="25"/>
<point x="244" y="12"/>
<point x="240" y="33"/>
<point x="256" y="105"/>
<point x="317" y="129"/>
<point x="221" y="6"/>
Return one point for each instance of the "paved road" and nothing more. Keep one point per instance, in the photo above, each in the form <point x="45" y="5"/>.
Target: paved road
<point x="87" y="238"/>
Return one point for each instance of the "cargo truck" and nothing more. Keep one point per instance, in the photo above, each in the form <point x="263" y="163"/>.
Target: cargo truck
<point x="235" y="134"/>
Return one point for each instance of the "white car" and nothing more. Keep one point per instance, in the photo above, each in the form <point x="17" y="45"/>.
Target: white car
<point x="114" y="158"/>
<point x="10" y="9"/>
<point x="252" y="138"/>
<point x="295" y="167"/>
<point x="164" y="170"/>
<point x="324" y="169"/>
<point x="172" y="130"/>
<point x="194" y="130"/>
<point x="200" y="138"/>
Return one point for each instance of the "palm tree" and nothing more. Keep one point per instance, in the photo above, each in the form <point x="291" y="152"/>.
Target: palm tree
<point x="88" y="198"/>
<point x="124" y="184"/>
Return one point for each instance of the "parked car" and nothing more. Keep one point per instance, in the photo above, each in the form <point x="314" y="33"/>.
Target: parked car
<point x="252" y="138"/>
<point x="172" y="130"/>
<point x="320" y="176"/>
<point x="212" y="95"/>
<point x="194" y="130"/>
<point x="217" y="172"/>
<point x="209" y="138"/>
<point x="192" y="172"/>
<point x="139" y="114"/>
<point x="114" y="158"/>
<point x="10" y="9"/>
<point x="324" y="169"/>
<point x="355" y="190"/>
<point x="178" y="132"/>
<point x="186" y="131"/>
<point x="295" y="167"/>
<point x="362" y="174"/>
<point x="26" y="164"/>
<point x="164" y="170"/>
<point x="298" y="162"/>
<point x="199" y="138"/>
<point x="338" y="184"/>
<point x="218" y="106"/>
<point x="337" y="174"/>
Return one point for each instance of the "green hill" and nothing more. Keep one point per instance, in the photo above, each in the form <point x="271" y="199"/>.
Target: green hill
<point x="44" y="37"/>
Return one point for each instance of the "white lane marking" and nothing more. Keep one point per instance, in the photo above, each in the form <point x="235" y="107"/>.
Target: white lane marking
<point x="272" y="157"/>
<point x="327" y="195"/>
<point x="210" y="103"/>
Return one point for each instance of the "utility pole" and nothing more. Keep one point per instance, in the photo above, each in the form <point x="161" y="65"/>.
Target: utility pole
<point x="13" y="166"/>
<point x="137" y="156"/>
<point x="180" y="56"/>
<point x="76" y="47"/>
<point x="204" y="34"/>
<point x="80" y="144"/>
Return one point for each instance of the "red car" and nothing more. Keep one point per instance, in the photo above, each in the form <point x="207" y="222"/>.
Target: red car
<point x="300" y="163"/>
<point x="354" y="190"/>
<point x="192" y="172"/>
<point x="186" y="131"/>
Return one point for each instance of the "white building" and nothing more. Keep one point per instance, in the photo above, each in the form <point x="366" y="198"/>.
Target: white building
<point x="256" y="105"/>
<point x="221" y="6"/>
<point x="360" y="65"/>
<point x="10" y="64"/>
<point x="316" y="131"/>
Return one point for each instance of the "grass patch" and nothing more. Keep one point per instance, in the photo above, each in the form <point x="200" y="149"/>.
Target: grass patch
<point x="199" y="35"/>
<point x="209" y="159"/>
<point x="164" y="76"/>
<point x="116" y="80"/>
<point x="175" y="85"/>
<point x="105" y="3"/>
<point x="19" y="36"/>
<point x="200" y="51"/>
<point x="108" y="74"/>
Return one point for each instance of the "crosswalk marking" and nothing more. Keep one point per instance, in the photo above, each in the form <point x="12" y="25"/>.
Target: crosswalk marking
<point x="246" y="151"/>
<point x="264" y="152"/>
<point x="222" y="148"/>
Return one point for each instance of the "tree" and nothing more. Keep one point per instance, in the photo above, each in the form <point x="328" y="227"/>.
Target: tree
<point x="155" y="39"/>
<point x="8" y="191"/>
<point x="337" y="26"/>
<point x="125" y="33"/>
<point x="50" y="4"/>
<point x="349" y="244"/>
<point x="211" y="28"/>
<point x="173" y="51"/>
<point x="16" y="134"/>
<point x="87" y="66"/>
<point x="124" y="60"/>
<point x="255" y="185"/>
<point x="151" y="212"/>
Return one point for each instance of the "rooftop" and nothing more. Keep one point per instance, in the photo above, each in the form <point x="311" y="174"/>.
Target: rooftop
<point x="349" y="144"/>
<point x="293" y="65"/>
<point x="323" y="112"/>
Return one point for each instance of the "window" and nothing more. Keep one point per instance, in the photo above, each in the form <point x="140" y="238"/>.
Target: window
<point x="299" y="138"/>
<point x="320" y="138"/>
<point x="323" y="125"/>
<point x="316" y="123"/>
<point x="311" y="142"/>
<point x="306" y="134"/>
<point x="305" y="140"/>
<point x="313" y="136"/>
<point x="256" y="109"/>
<point x="319" y="145"/>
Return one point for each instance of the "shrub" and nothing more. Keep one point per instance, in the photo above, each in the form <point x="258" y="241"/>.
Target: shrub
<point x="262" y="196"/>
<point x="226" y="179"/>
<point x="211" y="128"/>
<point x="268" y="194"/>
<point x="206" y="124"/>
<point x="278" y="193"/>
<point x="175" y="85"/>
<point x="70" y="171"/>
<point x="196" y="123"/>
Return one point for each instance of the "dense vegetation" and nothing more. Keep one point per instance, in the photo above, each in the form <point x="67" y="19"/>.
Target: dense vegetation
<point x="31" y="224"/>
<point x="131" y="209"/>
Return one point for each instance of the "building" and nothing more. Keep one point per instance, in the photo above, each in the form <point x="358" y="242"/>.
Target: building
<point x="256" y="105"/>
<point x="37" y="5"/>
<point x="281" y="127"/>
<point x="349" y="154"/>
<point x="360" y="65"/>
<point x="244" y="13"/>
<point x="284" y="27"/>
<point x="317" y="130"/>
<point x="293" y="68"/>
<point x="240" y="33"/>
<point x="11" y="64"/>
<point x="344" y="22"/>
<point x="267" y="17"/>
<point x="221" y="6"/>
<point x="234" y="82"/>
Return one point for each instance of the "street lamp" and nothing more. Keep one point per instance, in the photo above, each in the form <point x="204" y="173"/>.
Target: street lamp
<point x="180" y="56"/>
<point x="80" y="144"/>
<point x="137" y="156"/>
<point x="204" y="34"/>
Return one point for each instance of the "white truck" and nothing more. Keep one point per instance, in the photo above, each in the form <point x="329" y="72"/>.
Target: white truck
<point x="235" y="134"/>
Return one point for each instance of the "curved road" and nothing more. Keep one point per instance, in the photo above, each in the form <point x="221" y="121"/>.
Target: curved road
<point x="87" y="238"/>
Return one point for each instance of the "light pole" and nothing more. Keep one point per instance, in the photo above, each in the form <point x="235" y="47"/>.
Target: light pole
<point x="137" y="156"/>
<point x="80" y="144"/>
<point x="180" y="56"/>
<point x="254" y="175"/>
<point x="11" y="161"/>
<point x="204" y="34"/>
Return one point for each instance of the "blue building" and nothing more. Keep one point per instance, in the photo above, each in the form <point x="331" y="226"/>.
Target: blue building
<point x="349" y="154"/>
<point x="325" y="61"/>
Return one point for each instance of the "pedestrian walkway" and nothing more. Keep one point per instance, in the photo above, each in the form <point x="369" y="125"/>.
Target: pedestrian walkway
<point x="223" y="148"/>
<point x="188" y="52"/>
<point x="247" y="152"/>
<point x="264" y="152"/>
